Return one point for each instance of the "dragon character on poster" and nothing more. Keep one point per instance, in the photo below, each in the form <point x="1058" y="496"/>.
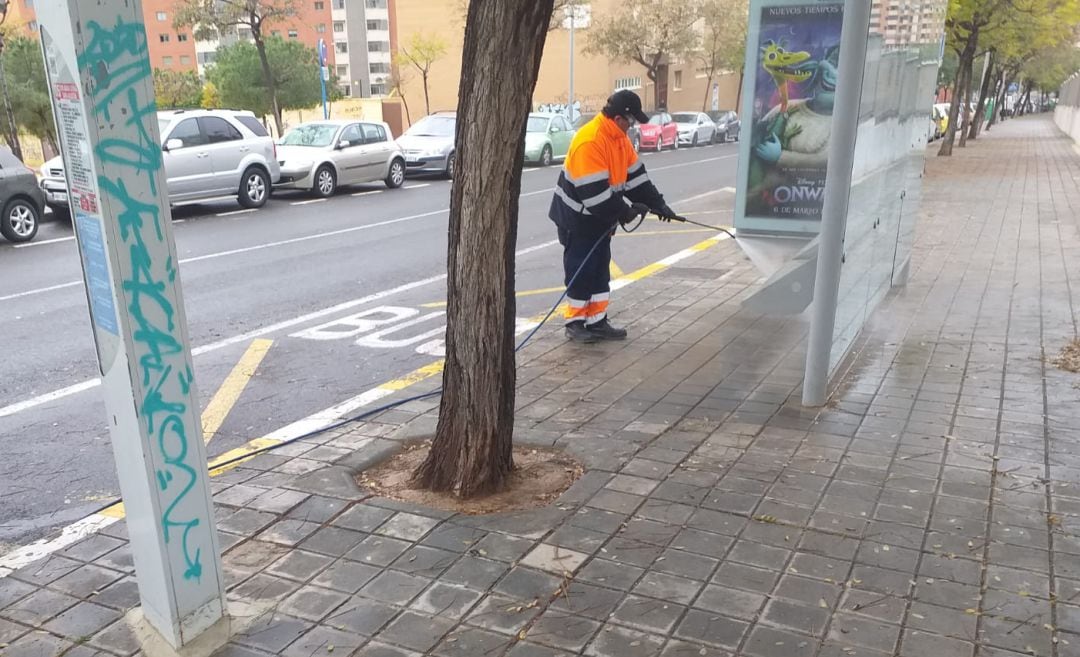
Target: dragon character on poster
<point x="793" y="104"/>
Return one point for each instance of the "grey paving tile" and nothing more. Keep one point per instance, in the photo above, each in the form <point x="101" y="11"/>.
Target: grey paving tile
<point x="648" y="614"/>
<point x="562" y="630"/>
<point x="394" y="587"/>
<point x="322" y="640"/>
<point x="615" y="641"/>
<point x="363" y="616"/>
<point x="711" y="629"/>
<point x="470" y="641"/>
<point x="38" y="607"/>
<point x="503" y="615"/>
<point x="312" y="603"/>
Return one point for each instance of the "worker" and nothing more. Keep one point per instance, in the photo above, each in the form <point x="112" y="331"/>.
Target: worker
<point x="602" y="184"/>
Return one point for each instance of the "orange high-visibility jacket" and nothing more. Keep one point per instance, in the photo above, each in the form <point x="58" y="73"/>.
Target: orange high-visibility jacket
<point x="601" y="169"/>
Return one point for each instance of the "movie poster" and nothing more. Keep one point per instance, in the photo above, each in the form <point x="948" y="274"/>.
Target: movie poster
<point x="793" y="87"/>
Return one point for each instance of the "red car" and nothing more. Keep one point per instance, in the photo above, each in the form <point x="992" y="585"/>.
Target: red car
<point x="660" y="132"/>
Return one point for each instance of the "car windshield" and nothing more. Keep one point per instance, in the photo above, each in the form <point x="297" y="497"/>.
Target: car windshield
<point x="433" y="126"/>
<point x="163" y="125"/>
<point x="656" y="120"/>
<point x="316" y="135"/>
<point x="684" y="118"/>
<point x="537" y="124"/>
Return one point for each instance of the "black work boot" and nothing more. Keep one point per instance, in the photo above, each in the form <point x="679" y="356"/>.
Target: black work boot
<point x="577" y="332"/>
<point x="603" y="330"/>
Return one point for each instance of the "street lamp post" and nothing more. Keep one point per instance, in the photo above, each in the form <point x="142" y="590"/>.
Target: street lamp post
<point x="13" y="131"/>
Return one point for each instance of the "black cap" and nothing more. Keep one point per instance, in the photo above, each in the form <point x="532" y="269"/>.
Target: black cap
<point x="627" y="103"/>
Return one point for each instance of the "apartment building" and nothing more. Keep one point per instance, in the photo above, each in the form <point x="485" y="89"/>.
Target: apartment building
<point x="908" y="22"/>
<point x="362" y="46"/>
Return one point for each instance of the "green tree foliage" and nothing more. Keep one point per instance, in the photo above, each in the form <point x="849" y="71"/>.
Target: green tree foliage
<point x="177" y="89"/>
<point x="422" y="52"/>
<point x="236" y="75"/>
<point x="212" y="19"/>
<point x="648" y="32"/>
<point x="210" y="98"/>
<point x="28" y="88"/>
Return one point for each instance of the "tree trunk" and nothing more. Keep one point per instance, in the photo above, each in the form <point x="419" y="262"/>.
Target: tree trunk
<point x="738" y="92"/>
<point x="984" y="92"/>
<point x="9" y="116"/>
<point x="427" y="100"/>
<point x="708" y="92"/>
<point x="472" y="451"/>
<point x="954" y="106"/>
<point x="999" y="103"/>
<point x="965" y="102"/>
<point x="1026" y="96"/>
<point x="268" y="78"/>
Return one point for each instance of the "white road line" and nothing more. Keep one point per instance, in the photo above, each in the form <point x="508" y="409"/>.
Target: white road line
<point x="539" y="191"/>
<point x="417" y="186"/>
<point x="18" y="407"/>
<point x="372" y="191"/>
<point x="695" y="162"/>
<point x="40" y="290"/>
<point x="74" y="532"/>
<point x="235" y="212"/>
<point x="44" y="242"/>
<point x="309" y="201"/>
<point x="696" y="197"/>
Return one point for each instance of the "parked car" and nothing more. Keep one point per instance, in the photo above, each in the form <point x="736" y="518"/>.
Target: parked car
<point x="727" y="125"/>
<point x="547" y="138"/>
<point x="21" y="198"/>
<point x="324" y="155"/>
<point x="428" y="145"/>
<point x="634" y="133"/>
<point x="206" y="154"/>
<point x="694" y="128"/>
<point x="659" y="132"/>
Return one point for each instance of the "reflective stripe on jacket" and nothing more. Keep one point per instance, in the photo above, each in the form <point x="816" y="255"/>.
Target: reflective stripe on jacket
<point x="601" y="168"/>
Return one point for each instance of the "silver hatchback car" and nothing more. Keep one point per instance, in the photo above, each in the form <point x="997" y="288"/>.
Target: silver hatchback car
<point x="323" y="155"/>
<point x="207" y="154"/>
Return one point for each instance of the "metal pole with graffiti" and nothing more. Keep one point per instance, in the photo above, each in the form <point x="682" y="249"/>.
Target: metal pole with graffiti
<point x="324" y="76"/>
<point x="103" y="97"/>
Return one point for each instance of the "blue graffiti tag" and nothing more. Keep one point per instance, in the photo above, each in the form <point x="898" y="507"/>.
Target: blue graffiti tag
<point x="116" y="58"/>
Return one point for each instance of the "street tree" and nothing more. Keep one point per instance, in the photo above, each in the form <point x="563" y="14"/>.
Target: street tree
<point x="648" y="32"/>
<point x="212" y="19"/>
<point x="723" y="42"/>
<point x="293" y="72"/>
<point x="422" y="52"/>
<point x="24" y="71"/>
<point x="177" y="89"/>
<point x="399" y="77"/>
<point x="472" y="450"/>
<point x="211" y="98"/>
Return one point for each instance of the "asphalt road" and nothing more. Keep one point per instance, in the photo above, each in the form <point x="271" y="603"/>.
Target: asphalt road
<point x="288" y="273"/>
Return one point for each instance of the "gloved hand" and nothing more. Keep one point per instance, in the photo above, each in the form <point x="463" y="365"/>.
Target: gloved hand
<point x="633" y="212"/>
<point x="665" y="213"/>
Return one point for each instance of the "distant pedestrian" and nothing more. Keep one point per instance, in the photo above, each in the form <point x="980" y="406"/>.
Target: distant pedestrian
<point x="602" y="184"/>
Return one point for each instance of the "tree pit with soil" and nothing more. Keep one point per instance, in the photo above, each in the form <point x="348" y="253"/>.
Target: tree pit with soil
<point x="540" y="476"/>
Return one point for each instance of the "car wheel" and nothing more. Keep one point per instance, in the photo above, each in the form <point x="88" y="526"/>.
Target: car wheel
<point x="675" y="143"/>
<point x="396" y="177"/>
<point x="254" y="188"/>
<point x="545" y="157"/>
<point x="325" y="183"/>
<point x="451" y="165"/>
<point x="61" y="213"/>
<point x="693" y="142"/>
<point x="20" y="221"/>
<point x="659" y="143"/>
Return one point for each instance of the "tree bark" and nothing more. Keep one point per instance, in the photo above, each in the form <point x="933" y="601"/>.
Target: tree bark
<point x="427" y="99"/>
<point x="954" y="105"/>
<point x="1027" y="96"/>
<point x="738" y="92"/>
<point x="268" y="75"/>
<point x="984" y="92"/>
<point x="472" y="453"/>
<point x="965" y="101"/>
<point x="708" y="92"/>
<point x="999" y="106"/>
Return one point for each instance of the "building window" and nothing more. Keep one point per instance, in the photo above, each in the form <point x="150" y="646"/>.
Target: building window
<point x="343" y="70"/>
<point x="378" y="46"/>
<point x="164" y="38"/>
<point x="320" y="28"/>
<point x="378" y="90"/>
<point x="185" y="60"/>
<point x="162" y="16"/>
<point x="293" y="34"/>
<point x="244" y="33"/>
<point x="346" y="90"/>
<point x="339" y="26"/>
<point x="319" y="6"/>
<point x="341" y="46"/>
<point x="206" y="57"/>
<point x="678" y="80"/>
<point x="166" y="61"/>
<point x="32" y="26"/>
<point x="181" y="37"/>
<point x="339" y="4"/>
<point x="378" y="24"/>
<point x="627" y="83"/>
<point x="379" y="67"/>
<point x="375" y="4"/>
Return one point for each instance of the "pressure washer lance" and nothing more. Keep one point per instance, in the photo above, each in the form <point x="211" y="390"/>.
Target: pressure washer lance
<point x="684" y="220"/>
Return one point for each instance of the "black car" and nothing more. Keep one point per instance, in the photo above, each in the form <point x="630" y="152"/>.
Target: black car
<point x="634" y="133"/>
<point x="21" y="198"/>
<point x="727" y="125"/>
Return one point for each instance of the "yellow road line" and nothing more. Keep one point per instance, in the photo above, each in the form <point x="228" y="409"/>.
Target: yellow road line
<point x="225" y="398"/>
<point x="673" y="231"/>
<point x="614" y="269"/>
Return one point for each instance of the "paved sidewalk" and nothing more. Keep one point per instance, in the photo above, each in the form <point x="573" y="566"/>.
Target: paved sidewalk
<point x="931" y="510"/>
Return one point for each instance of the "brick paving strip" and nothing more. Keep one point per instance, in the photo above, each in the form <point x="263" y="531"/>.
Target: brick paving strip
<point x="931" y="510"/>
